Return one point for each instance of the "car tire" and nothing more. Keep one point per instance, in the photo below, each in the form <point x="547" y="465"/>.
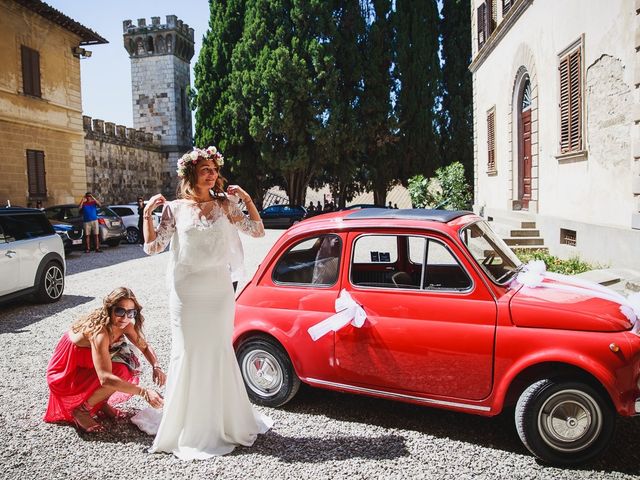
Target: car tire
<point x="113" y="243"/>
<point x="564" y="422"/>
<point x="133" y="235"/>
<point x="51" y="284"/>
<point x="267" y="372"/>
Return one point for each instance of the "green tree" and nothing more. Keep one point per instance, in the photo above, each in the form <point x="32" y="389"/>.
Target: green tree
<point x="448" y="190"/>
<point x="457" y="117"/>
<point x="417" y="74"/>
<point x="378" y="123"/>
<point x="343" y="65"/>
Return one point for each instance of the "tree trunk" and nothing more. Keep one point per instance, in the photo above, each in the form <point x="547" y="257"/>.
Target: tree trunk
<point x="380" y="195"/>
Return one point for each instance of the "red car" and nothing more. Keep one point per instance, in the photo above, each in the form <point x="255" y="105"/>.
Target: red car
<point x="449" y="324"/>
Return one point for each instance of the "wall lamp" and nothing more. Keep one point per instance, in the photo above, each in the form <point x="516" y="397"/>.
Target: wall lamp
<point x="80" y="52"/>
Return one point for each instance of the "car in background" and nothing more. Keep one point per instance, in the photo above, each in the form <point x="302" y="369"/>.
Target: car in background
<point x="32" y="258"/>
<point x="282" y="215"/>
<point x="112" y="230"/>
<point x="129" y="215"/>
<point x="359" y="206"/>
<point x="435" y="309"/>
<point x="71" y="235"/>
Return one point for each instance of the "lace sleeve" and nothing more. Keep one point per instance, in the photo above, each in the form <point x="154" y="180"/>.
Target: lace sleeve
<point x="164" y="232"/>
<point x="244" y="223"/>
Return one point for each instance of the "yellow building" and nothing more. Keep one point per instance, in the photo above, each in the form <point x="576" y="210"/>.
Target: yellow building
<point x="42" y="152"/>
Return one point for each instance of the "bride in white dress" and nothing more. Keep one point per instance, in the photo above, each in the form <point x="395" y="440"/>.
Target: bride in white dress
<point x="206" y="409"/>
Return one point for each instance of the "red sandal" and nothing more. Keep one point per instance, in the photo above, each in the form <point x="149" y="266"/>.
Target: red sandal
<point x="83" y="420"/>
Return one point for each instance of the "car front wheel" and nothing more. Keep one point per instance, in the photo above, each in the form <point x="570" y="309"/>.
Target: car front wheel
<point x="564" y="423"/>
<point x="133" y="235"/>
<point x="267" y="372"/>
<point x="51" y="284"/>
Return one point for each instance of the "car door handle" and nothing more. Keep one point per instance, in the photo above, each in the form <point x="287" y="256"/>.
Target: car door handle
<point x="10" y="253"/>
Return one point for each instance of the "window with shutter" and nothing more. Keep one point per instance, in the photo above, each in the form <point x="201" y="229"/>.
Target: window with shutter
<point x="570" y="72"/>
<point x="506" y="5"/>
<point x="482" y="21"/>
<point x="491" y="141"/>
<point x="30" y="71"/>
<point x="36" y="175"/>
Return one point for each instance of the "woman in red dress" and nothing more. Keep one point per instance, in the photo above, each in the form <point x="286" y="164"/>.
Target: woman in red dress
<point x="93" y="361"/>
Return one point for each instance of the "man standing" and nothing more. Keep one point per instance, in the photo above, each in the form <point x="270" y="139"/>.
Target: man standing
<point x="140" y="220"/>
<point x="89" y="207"/>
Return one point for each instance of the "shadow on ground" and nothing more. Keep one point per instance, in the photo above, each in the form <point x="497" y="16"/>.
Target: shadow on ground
<point x="78" y="261"/>
<point x="18" y="314"/>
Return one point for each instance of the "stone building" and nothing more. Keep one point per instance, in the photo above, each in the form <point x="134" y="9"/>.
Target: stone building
<point x="556" y="112"/>
<point x="160" y="79"/>
<point x="42" y="152"/>
<point x="121" y="162"/>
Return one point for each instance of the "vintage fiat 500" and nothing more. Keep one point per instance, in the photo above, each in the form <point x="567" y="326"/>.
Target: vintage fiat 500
<point x="431" y="307"/>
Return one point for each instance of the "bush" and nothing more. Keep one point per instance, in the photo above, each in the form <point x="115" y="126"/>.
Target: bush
<point x="571" y="266"/>
<point x="447" y="190"/>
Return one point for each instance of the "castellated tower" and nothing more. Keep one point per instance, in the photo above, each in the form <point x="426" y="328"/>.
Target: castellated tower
<point x="160" y="76"/>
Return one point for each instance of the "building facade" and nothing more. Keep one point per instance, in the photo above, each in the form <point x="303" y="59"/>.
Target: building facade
<point x="160" y="79"/>
<point x="42" y="147"/>
<point x="556" y="105"/>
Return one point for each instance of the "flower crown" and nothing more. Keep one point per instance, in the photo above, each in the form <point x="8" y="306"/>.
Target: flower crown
<point x="197" y="154"/>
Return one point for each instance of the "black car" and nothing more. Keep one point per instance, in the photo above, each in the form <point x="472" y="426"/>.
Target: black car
<point x="70" y="234"/>
<point x="282" y="215"/>
<point x="112" y="230"/>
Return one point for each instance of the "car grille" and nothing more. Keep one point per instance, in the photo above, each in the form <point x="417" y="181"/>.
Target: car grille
<point x="75" y="233"/>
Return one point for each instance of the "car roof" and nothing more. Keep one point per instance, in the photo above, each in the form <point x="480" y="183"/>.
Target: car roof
<point x="384" y="218"/>
<point x="18" y="210"/>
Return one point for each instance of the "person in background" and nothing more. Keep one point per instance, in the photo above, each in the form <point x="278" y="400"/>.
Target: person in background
<point x="390" y="204"/>
<point x="312" y="207"/>
<point x="93" y="361"/>
<point x="39" y="204"/>
<point x="140" y="220"/>
<point x="89" y="207"/>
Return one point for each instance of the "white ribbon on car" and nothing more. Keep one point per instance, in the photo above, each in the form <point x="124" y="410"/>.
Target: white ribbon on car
<point x="347" y="312"/>
<point x="535" y="272"/>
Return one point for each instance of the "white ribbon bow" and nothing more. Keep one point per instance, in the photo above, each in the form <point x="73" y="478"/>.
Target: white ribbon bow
<point x="348" y="311"/>
<point x="534" y="273"/>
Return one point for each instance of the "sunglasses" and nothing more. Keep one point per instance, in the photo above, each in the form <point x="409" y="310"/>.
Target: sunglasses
<point x="121" y="312"/>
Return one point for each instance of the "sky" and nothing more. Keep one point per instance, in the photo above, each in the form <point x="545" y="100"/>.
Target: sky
<point x="106" y="75"/>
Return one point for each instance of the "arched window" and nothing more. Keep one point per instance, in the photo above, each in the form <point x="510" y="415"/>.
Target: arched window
<point x="526" y="96"/>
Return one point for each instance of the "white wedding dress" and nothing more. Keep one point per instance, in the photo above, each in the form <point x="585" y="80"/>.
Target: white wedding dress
<point x="206" y="411"/>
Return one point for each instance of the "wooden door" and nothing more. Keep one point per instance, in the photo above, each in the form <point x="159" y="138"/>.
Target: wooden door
<point x="525" y="159"/>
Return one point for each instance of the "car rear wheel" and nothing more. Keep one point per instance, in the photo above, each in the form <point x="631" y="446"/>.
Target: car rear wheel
<point x="133" y="235"/>
<point x="564" y="423"/>
<point x="267" y="372"/>
<point x="51" y="284"/>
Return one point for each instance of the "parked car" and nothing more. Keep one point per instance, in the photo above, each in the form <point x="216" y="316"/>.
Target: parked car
<point x="449" y="324"/>
<point x="112" y="230"/>
<point x="32" y="258"/>
<point x="129" y="215"/>
<point x="282" y="215"/>
<point x="71" y="235"/>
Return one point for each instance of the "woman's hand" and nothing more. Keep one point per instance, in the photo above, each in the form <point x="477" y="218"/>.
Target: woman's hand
<point x="152" y="397"/>
<point x="159" y="377"/>
<point x="238" y="192"/>
<point x="154" y="202"/>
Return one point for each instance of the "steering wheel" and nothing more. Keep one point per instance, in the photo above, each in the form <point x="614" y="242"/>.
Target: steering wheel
<point x="488" y="259"/>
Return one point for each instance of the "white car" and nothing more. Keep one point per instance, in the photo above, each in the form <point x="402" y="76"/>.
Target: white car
<point x="31" y="256"/>
<point x="129" y="215"/>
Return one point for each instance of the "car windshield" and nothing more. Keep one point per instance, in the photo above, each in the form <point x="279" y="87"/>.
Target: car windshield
<point x="106" y="212"/>
<point x="490" y="251"/>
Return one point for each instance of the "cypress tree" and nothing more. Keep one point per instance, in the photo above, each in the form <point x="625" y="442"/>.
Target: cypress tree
<point x="417" y="74"/>
<point x="457" y="115"/>
<point x="377" y="125"/>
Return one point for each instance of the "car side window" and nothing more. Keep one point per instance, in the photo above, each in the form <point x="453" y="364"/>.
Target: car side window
<point x="122" y="211"/>
<point x="407" y="262"/>
<point x="22" y="227"/>
<point x="314" y="261"/>
<point x="4" y="238"/>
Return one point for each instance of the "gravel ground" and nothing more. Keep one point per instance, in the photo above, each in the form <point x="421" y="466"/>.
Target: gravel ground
<point x="319" y="435"/>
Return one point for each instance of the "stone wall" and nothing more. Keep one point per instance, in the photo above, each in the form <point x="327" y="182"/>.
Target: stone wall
<point x="121" y="162"/>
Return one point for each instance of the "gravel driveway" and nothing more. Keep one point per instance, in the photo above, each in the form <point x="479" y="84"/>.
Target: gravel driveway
<point x="318" y="435"/>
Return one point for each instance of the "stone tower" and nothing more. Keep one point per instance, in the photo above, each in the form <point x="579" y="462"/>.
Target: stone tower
<point x="160" y="77"/>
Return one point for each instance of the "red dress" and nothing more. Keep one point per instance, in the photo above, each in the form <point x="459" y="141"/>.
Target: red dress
<point x="72" y="379"/>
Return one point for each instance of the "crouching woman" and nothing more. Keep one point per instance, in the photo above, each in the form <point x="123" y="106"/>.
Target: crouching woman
<point x="94" y="367"/>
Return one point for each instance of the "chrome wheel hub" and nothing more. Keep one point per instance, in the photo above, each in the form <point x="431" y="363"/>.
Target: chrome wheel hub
<point x="262" y="373"/>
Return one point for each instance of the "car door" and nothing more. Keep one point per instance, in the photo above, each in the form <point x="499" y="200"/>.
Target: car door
<point x="430" y="320"/>
<point x="9" y="262"/>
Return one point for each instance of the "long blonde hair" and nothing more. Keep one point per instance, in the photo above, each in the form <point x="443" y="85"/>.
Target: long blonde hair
<point x="100" y="318"/>
<point x="187" y="184"/>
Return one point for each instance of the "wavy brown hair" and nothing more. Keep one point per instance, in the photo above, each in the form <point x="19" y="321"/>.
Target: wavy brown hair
<point x="100" y="318"/>
<point x="187" y="184"/>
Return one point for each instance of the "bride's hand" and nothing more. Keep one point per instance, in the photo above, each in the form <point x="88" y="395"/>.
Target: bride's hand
<point x="238" y="192"/>
<point x="154" y="202"/>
